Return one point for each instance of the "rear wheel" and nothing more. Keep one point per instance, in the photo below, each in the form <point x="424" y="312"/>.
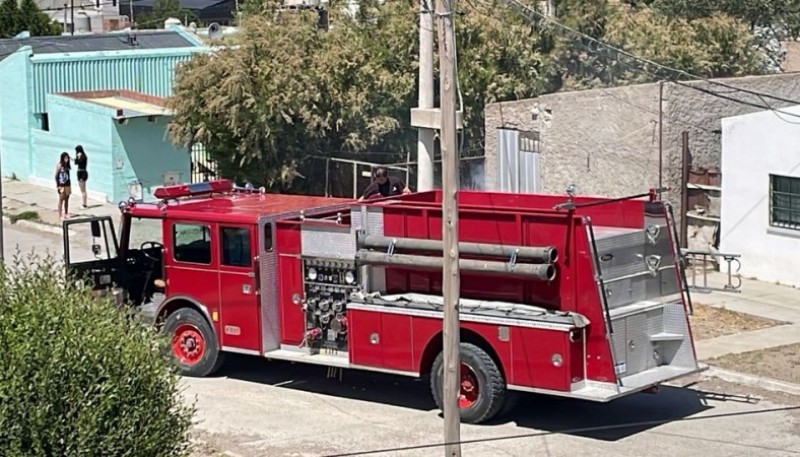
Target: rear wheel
<point x="482" y="386"/>
<point x="192" y="343"/>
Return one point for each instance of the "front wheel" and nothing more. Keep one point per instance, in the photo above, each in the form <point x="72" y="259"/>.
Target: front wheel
<point x="482" y="386"/>
<point x="192" y="343"/>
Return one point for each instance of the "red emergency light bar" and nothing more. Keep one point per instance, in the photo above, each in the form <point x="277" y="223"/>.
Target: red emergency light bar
<point x="189" y="190"/>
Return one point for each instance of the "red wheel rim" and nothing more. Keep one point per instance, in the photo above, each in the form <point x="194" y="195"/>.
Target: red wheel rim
<point x="470" y="389"/>
<point x="188" y="344"/>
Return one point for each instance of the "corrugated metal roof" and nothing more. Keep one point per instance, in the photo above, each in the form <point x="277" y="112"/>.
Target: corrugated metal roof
<point x="150" y="73"/>
<point x="115" y="41"/>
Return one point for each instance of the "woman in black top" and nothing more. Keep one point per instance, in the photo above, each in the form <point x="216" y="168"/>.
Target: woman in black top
<point x="82" y="175"/>
<point x="64" y="185"/>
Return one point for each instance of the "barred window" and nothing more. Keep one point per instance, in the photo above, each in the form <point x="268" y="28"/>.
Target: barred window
<point x="784" y="202"/>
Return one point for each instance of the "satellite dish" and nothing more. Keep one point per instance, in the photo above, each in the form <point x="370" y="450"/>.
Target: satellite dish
<point x="214" y="31"/>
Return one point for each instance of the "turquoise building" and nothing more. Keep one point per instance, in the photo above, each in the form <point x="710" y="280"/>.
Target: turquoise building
<point x="105" y="92"/>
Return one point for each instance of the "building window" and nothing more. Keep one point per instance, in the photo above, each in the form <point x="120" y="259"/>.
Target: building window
<point x="784" y="202"/>
<point x="192" y="243"/>
<point x="236" y="247"/>
<point x="44" y="121"/>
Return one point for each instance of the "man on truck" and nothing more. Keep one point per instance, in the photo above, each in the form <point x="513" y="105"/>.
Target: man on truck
<point x="384" y="185"/>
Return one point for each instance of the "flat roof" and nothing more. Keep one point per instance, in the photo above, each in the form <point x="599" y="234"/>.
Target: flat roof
<point x="98" y="42"/>
<point x="126" y="103"/>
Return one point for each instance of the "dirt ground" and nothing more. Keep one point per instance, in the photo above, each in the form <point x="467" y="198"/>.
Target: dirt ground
<point x="710" y="322"/>
<point x="781" y="363"/>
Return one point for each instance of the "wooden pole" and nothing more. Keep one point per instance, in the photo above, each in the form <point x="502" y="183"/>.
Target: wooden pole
<point x="684" y="186"/>
<point x="451" y="279"/>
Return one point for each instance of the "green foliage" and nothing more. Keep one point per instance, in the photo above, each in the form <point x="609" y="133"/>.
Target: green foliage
<point x="18" y="17"/>
<point x="24" y="216"/>
<point x="776" y="14"/>
<point x="78" y="377"/>
<point x="714" y="46"/>
<point x="292" y="91"/>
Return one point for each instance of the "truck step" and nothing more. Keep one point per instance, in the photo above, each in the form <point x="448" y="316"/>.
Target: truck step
<point x="665" y="336"/>
<point x="290" y="355"/>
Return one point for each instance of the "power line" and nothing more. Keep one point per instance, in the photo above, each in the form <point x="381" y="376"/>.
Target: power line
<point x="584" y="430"/>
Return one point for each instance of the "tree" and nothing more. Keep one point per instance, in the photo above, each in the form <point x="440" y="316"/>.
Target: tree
<point x="9" y="19"/>
<point x="79" y="377"/>
<point x="713" y="46"/>
<point x="292" y="91"/>
<point x="16" y="18"/>
<point x="35" y="21"/>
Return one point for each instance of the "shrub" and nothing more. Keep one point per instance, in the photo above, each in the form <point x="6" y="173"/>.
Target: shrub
<point x="79" y="377"/>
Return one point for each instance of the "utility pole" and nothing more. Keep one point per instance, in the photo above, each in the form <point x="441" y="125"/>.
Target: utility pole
<point x="425" y="134"/>
<point x="451" y="281"/>
<point x="72" y="16"/>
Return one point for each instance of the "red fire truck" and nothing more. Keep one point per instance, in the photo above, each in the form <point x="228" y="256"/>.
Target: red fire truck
<point x="573" y="296"/>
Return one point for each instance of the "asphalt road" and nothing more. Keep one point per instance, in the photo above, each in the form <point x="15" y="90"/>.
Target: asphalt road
<point x="258" y="408"/>
<point x="18" y="240"/>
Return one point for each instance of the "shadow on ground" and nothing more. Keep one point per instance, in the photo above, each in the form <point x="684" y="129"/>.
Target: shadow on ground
<point x="602" y="421"/>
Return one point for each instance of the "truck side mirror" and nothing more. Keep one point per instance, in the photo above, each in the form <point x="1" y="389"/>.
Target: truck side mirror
<point x="95" y="229"/>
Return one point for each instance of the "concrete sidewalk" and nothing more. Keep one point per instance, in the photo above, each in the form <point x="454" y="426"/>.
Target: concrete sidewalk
<point x="756" y="298"/>
<point x="21" y="197"/>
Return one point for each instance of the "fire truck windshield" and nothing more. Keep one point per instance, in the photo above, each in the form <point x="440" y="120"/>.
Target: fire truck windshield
<point x="143" y="230"/>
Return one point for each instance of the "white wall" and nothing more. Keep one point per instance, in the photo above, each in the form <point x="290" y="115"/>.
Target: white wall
<point x="753" y="146"/>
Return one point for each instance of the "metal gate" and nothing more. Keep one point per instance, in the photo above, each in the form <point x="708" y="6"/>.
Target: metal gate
<point x="518" y="161"/>
<point x="203" y="167"/>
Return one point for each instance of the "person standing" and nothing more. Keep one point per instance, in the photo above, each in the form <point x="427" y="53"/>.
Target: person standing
<point x="82" y="174"/>
<point x="64" y="185"/>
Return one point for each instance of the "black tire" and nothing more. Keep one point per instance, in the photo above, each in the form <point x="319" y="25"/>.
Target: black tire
<point x="186" y="327"/>
<point x="491" y="384"/>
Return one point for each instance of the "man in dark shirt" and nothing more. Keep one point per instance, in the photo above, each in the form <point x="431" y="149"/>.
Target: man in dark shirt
<point x="384" y="185"/>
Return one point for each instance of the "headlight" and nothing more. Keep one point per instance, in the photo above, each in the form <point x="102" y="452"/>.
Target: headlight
<point x="349" y="277"/>
<point x="312" y="274"/>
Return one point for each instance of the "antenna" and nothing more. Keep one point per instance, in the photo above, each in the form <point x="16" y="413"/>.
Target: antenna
<point x="214" y="31"/>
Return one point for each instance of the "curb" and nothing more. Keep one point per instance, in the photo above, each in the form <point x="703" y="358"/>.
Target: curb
<point x="40" y="226"/>
<point x="752" y="380"/>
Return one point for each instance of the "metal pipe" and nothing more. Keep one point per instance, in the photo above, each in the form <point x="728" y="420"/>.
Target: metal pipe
<point x="547" y="254"/>
<point x="543" y="272"/>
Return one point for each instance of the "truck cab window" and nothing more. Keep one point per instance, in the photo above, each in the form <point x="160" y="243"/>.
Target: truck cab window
<point x="236" y="247"/>
<point x="192" y="243"/>
<point x="144" y="230"/>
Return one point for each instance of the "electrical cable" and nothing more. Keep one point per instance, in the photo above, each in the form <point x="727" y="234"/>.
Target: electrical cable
<point x="583" y="430"/>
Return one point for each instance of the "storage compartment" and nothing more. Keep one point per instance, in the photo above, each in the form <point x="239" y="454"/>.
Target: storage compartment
<point x="620" y="251"/>
<point x="624" y="291"/>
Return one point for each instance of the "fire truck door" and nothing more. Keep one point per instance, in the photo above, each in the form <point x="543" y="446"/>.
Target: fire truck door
<point x="237" y="287"/>
<point x="91" y="251"/>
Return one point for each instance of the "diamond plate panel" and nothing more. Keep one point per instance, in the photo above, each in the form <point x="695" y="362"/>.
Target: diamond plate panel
<point x="638" y="350"/>
<point x="620" y="251"/>
<point x="328" y="241"/>
<point x="625" y="291"/>
<point x="268" y="274"/>
<point x="675" y="322"/>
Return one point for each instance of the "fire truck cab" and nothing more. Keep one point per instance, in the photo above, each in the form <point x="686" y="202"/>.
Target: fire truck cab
<point x="561" y="295"/>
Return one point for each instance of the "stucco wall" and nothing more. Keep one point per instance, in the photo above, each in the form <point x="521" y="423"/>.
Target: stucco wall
<point x="606" y="140"/>
<point x="754" y="146"/>
<point x="93" y="132"/>
<point x="143" y="153"/>
<point x="16" y="121"/>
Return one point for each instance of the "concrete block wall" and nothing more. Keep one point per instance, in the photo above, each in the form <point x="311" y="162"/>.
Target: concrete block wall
<point x="15" y="93"/>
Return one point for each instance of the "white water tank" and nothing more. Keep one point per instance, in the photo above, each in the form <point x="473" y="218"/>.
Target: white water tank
<point x="171" y="21"/>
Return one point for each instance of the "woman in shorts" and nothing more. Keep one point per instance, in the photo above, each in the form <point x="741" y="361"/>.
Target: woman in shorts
<point x="64" y="185"/>
<point x="82" y="174"/>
